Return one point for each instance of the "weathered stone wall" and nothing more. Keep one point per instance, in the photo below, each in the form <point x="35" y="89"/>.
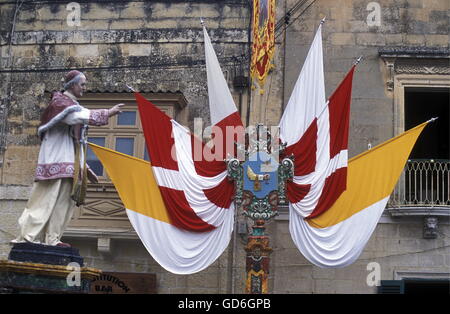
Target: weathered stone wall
<point x="131" y="256"/>
<point x="346" y="36"/>
<point x="153" y="46"/>
<point x="158" y="45"/>
<point x="396" y="245"/>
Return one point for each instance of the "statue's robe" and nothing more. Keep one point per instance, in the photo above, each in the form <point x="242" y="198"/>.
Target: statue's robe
<point x="60" y="129"/>
<point x="50" y="206"/>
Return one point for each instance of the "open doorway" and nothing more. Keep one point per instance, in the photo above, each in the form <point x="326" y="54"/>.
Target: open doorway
<point x="427" y="173"/>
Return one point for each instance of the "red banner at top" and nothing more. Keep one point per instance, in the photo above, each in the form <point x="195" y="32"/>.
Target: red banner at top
<point x="263" y="34"/>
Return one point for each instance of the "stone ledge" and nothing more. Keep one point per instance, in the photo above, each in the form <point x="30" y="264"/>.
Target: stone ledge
<point x="84" y="233"/>
<point x="419" y="211"/>
<point x="389" y="213"/>
<point x="404" y="274"/>
<point x="415" y="52"/>
<point x="120" y="35"/>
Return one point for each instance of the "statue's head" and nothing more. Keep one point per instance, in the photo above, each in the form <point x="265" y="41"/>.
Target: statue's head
<point x="75" y="83"/>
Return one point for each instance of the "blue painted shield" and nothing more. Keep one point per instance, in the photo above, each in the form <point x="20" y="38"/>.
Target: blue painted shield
<point x="260" y="174"/>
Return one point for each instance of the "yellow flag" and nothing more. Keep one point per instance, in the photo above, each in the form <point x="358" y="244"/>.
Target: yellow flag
<point x="337" y="237"/>
<point x="372" y="176"/>
<point x="178" y="250"/>
<point x="134" y="181"/>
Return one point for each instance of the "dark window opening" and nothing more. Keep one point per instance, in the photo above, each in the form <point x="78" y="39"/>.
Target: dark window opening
<point x="422" y="104"/>
<point x="91" y="159"/>
<point x="427" y="286"/>
<point x="427" y="173"/>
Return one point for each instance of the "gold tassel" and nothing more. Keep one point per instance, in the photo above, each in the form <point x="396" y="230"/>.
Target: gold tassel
<point x="79" y="188"/>
<point x="76" y="172"/>
<point x="83" y="186"/>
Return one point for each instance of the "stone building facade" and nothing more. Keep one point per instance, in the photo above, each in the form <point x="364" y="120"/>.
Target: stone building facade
<point x="157" y="47"/>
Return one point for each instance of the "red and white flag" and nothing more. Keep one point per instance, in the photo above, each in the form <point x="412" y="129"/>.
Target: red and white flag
<point x="316" y="133"/>
<point x="197" y="195"/>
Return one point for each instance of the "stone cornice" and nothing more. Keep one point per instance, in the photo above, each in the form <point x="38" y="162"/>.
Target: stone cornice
<point x="414" y="52"/>
<point x="414" y="61"/>
<point x="132" y="36"/>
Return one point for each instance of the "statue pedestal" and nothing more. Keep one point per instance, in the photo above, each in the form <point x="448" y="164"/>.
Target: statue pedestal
<point x="35" y="268"/>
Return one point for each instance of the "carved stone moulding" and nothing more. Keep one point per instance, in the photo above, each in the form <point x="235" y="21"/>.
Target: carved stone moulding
<point x="422" y="66"/>
<point x="414" y="60"/>
<point x="430" y="227"/>
<point x="414" y="52"/>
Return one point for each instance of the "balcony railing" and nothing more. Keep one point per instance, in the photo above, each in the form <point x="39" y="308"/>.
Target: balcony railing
<point x="423" y="183"/>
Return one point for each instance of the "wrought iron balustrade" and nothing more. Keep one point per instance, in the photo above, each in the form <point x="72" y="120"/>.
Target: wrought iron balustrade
<point x="423" y="183"/>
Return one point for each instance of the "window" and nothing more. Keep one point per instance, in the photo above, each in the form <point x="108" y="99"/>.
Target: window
<point x="125" y="145"/>
<point x="124" y="132"/>
<point x="103" y="209"/>
<point x="127" y="118"/>
<point x="421" y="90"/>
<point x="91" y="159"/>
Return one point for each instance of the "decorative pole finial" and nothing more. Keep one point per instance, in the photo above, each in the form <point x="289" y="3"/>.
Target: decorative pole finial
<point x="433" y="119"/>
<point x="358" y="60"/>
<point x="323" y="20"/>
<point x="130" y="88"/>
<point x="202" y="22"/>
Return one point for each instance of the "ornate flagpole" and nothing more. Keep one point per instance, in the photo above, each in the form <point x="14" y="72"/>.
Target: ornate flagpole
<point x="260" y="187"/>
<point x="258" y="248"/>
